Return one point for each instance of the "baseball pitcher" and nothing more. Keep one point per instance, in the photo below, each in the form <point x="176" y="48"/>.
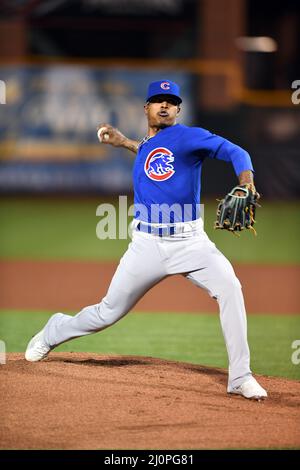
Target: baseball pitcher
<point x="168" y="236"/>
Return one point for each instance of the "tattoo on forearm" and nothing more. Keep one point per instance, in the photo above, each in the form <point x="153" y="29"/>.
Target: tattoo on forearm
<point x="132" y="145"/>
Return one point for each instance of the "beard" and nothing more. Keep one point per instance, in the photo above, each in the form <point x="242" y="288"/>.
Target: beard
<point x="162" y="125"/>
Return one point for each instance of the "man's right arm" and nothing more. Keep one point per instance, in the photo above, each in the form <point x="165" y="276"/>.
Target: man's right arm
<point x="131" y="145"/>
<point x="117" y="139"/>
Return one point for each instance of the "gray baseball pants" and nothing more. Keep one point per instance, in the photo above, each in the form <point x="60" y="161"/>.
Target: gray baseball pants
<point x="148" y="260"/>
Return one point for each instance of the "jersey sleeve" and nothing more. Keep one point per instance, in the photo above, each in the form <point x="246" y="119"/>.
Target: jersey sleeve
<point x="214" y="146"/>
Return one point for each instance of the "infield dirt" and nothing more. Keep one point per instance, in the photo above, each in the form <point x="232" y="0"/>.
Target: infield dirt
<point x="71" y="285"/>
<point x="87" y="401"/>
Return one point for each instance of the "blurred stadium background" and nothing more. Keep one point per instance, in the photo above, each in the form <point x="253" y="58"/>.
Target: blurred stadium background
<point x="70" y="64"/>
<point x="67" y="65"/>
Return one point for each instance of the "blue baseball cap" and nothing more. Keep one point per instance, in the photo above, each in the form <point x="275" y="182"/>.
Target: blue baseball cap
<point x="164" y="87"/>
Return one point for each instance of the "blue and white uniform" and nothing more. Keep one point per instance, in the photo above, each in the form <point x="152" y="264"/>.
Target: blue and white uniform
<point x="167" y="173"/>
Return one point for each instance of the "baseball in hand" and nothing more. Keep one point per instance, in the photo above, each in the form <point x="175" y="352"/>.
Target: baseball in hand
<point x="104" y="136"/>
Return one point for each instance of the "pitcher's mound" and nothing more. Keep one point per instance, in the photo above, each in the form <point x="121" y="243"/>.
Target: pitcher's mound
<point x="88" y="401"/>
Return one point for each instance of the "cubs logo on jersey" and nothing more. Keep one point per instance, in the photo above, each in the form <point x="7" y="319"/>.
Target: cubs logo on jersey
<point x="158" y="165"/>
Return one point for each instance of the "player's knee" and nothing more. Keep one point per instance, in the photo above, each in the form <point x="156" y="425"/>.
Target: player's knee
<point x="235" y="283"/>
<point x="229" y="285"/>
<point x="107" y="321"/>
<point x="109" y="313"/>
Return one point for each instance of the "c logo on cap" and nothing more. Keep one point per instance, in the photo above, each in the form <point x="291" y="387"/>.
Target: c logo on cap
<point x="165" y="85"/>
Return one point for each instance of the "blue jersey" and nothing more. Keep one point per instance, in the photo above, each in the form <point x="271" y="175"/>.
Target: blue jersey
<point x="167" y="172"/>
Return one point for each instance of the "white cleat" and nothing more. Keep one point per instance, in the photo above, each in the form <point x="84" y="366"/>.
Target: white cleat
<point x="37" y="349"/>
<point x="249" y="389"/>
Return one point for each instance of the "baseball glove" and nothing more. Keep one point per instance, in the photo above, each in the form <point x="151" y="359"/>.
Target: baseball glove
<point x="237" y="210"/>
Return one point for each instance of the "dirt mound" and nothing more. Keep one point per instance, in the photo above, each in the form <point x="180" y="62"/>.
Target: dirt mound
<point x="87" y="401"/>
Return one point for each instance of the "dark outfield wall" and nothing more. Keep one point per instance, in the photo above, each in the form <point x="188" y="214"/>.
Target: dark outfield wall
<point x="271" y="136"/>
<point x="48" y="140"/>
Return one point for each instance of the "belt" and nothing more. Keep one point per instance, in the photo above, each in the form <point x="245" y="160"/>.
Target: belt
<point x="166" y="230"/>
<point x="161" y="231"/>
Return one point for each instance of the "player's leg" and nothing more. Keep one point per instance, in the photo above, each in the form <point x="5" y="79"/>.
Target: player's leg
<point x="218" y="278"/>
<point x="140" y="268"/>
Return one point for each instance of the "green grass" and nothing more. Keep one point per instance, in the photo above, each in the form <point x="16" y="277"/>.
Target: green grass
<point x="182" y="337"/>
<point x="66" y="229"/>
<point x="54" y="229"/>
